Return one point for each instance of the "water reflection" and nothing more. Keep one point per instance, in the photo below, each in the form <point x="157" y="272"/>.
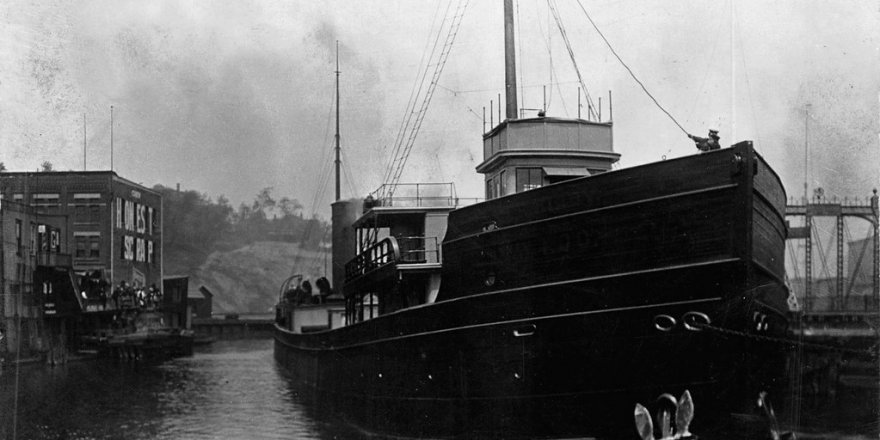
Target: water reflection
<point x="235" y="389"/>
<point x="231" y="390"/>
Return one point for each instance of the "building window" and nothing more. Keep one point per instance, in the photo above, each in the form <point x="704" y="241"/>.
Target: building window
<point x="495" y="186"/>
<point x="88" y="245"/>
<point x="18" y="237"/>
<point x="33" y="238"/>
<point x="46" y="209"/>
<point x="87" y="213"/>
<point x="43" y="237"/>
<point x="80" y="214"/>
<point x="81" y="244"/>
<point x="94" y="248"/>
<point x="529" y="178"/>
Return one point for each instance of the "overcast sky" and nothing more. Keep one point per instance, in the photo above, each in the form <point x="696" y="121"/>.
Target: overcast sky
<point x="228" y="97"/>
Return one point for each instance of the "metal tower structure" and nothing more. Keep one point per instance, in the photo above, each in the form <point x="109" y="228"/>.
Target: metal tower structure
<point x="840" y="211"/>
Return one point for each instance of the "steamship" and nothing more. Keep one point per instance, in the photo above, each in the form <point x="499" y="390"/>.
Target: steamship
<point x="550" y="309"/>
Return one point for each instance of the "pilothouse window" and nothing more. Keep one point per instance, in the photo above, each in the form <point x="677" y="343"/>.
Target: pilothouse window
<point x="529" y="178"/>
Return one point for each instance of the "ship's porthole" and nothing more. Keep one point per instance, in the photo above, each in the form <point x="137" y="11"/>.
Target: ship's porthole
<point x="695" y="321"/>
<point x="664" y="323"/>
<point x="490" y="279"/>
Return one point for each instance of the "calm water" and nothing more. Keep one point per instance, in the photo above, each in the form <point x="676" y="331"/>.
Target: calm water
<point x="235" y="390"/>
<point x="229" y="390"/>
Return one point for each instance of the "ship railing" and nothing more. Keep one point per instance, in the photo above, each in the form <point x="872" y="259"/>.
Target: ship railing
<point x="381" y="254"/>
<point x="415" y="195"/>
<point x="394" y="250"/>
<point x="419" y="249"/>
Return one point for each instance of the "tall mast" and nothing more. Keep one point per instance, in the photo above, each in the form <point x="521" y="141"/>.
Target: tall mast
<point x="509" y="61"/>
<point x="337" y="121"/>
<point x="806" y="152"/>
<point x="84" y="141"/>
<point x="111" y="138"/>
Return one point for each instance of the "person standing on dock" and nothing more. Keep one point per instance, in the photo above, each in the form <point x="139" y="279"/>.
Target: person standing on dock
<point x="118" y="292"/>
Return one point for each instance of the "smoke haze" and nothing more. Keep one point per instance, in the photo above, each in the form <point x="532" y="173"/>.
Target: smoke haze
<point x="231" y="97"/>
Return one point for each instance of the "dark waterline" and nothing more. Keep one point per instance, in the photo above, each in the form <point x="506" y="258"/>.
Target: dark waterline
<point x="235" y="390"/>
<point x="229" y="390"/>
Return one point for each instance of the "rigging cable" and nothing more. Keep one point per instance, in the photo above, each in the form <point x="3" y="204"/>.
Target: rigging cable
<point x="745" y="69"/>
<point x="628" y="69"/>
<point x="321" y="190"/>
<point x="404" y="149"/>
<point x="326" y="164"/>
<point x="352" y="185"/>
<point x="397" y="151"/>
<point x="693" y="106"/>
<point x="552" y="5"/>
<point x="415" y="91"/>
<point x="554" y="78"/>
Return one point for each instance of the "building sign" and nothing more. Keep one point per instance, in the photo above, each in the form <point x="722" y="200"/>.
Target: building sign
<point x="47" y="238"/>
<point x="141" y="222"/>
<point x="128" y="248"/>
<point x="136" y="220"/>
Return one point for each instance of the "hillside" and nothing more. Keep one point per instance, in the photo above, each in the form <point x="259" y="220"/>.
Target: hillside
<point x="247" y="279"/>
<point x="241" y="255"/>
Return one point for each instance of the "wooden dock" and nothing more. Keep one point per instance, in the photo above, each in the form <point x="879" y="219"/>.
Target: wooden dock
<point x="233" y="328"/>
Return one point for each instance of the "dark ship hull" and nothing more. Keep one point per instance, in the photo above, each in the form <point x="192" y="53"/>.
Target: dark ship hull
<point x="562" y="307"/>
